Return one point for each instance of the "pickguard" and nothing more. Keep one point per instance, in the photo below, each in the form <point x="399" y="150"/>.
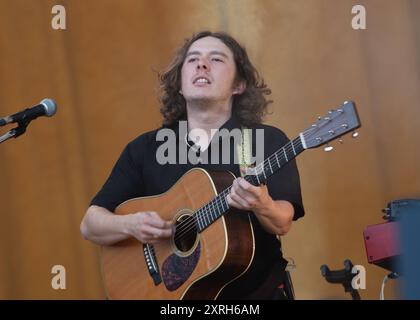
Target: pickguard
<point x="176" y="270"/>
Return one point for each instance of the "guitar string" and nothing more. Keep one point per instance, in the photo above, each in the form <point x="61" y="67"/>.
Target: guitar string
<point x="206" y="211"/>
<point x="203" y="212"/>
<point x="190" y="224"/>
<point x="184" y="229"/>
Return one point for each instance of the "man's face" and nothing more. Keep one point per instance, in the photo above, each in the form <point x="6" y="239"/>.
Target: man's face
<point x="208" y="71"/>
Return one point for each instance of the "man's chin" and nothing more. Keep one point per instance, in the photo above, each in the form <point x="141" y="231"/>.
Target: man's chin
<point x="201" y="100"/>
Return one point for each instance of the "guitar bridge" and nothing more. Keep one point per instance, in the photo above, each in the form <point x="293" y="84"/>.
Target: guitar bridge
<point x="150" y="257"/>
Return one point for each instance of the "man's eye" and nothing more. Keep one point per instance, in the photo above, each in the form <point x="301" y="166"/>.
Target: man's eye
<point x="192" y="59"/>
<point x="217" y="59"/>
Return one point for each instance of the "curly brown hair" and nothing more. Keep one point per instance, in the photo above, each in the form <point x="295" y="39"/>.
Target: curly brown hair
<point x="249" y="107"/>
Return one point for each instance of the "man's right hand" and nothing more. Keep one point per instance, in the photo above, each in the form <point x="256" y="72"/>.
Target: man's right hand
<point x="148" y="227"/>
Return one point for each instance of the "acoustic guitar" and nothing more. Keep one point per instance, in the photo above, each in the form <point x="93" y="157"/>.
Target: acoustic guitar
<point x="213" y="244"/>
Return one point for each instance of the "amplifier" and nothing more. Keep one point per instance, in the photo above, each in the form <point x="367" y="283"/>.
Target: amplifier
<point x="382" y="244"/>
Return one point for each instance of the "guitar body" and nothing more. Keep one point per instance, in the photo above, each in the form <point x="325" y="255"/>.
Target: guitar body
<point x="198" y="269"/>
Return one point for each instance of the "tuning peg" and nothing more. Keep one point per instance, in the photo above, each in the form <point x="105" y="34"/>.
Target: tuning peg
<point x="355" y="134"/>
<point x="340" y="141"/>
<point x="328" y="148"/>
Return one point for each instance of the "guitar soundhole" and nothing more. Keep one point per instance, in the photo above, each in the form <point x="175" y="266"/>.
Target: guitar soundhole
<point x="185" y="233"/>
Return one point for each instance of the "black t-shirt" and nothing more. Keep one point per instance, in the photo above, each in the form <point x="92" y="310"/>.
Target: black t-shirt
<point x="137" y="173"/>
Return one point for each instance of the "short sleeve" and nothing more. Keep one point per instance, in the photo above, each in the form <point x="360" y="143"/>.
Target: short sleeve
<point x="285" y="183"/>
<point x="125" y="181"/>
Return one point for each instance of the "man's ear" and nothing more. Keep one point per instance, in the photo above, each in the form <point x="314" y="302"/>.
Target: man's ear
<point x="239" y="87"/>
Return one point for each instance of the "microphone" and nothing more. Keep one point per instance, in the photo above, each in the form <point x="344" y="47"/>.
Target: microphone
<point x="46" y="107"/>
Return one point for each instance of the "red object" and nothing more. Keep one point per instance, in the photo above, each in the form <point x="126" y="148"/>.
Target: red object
<point x="382" y="244"/>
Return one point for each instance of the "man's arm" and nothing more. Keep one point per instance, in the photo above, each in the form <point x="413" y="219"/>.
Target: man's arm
<point x="102" y="227"/>
<point x="275" y="216"/>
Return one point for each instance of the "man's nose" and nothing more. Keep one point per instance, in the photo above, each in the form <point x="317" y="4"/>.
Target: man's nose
<point x="202" y="64"/>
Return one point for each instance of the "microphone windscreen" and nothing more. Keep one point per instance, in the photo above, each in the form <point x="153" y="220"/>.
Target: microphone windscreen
<point x="50" y="107"/>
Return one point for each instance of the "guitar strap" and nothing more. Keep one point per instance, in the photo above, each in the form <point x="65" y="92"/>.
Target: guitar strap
<point x="244" y="151"/>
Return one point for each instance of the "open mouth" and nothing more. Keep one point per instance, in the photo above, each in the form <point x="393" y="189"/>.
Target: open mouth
<point x="201" y="81"/>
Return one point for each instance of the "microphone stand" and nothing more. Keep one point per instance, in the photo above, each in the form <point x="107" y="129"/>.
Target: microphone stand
<point x="15" y="132"/>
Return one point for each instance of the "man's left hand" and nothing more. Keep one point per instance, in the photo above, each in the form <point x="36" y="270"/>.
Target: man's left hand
<point x="245" y="196"/>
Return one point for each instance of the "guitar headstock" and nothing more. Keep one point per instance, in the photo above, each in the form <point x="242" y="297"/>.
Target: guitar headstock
<point x="335" y="124"/>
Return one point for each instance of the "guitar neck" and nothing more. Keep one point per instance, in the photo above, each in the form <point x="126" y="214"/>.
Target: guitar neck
<point x="214" y="209"/>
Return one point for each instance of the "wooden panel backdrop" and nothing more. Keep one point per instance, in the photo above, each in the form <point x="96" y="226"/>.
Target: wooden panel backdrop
<point x="101" y="71"/>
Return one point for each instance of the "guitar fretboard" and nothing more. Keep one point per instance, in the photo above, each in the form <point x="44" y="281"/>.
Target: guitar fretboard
<point x="214" y="209"/>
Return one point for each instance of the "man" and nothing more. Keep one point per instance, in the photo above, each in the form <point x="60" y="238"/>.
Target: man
<point x="212" y="85"/>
